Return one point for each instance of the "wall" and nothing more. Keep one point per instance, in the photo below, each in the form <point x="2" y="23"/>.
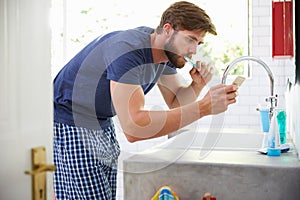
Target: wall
<point x="293" y="110"/>
<point x="293" y="94"/>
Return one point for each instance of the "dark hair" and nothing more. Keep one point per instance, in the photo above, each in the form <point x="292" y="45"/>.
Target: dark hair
<point x="184" y="15"/>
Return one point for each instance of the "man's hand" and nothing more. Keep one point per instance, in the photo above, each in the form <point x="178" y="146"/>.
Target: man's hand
<point x="202" y="74"/>
<point x="217" y="99"/>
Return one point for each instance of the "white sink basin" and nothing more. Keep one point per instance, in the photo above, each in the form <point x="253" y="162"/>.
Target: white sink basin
<point x="205" y="141"/>
<point x="209" y="139"/>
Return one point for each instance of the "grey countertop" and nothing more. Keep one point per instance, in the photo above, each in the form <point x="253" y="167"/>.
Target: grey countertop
<point x="216" y="157"/>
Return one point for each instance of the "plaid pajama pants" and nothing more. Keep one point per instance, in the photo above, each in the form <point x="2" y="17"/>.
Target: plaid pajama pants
<point x="86" y="163"/>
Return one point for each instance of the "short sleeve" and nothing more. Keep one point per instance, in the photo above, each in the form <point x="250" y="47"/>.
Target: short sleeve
<point x="125" y="69"/>
<point x="169" y="69"/>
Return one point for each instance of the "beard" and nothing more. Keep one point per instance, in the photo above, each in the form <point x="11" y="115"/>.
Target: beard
<point x="171" y="53"/>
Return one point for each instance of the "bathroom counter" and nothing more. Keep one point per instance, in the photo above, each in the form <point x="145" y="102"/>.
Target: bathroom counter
<point x="227" y="174"/>
<point x="217" y="157"/>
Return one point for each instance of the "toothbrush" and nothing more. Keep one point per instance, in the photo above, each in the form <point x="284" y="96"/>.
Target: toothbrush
<point x="190" y="61"/>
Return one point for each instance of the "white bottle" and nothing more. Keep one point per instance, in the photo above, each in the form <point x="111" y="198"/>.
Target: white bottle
<point x="273" y="138"/>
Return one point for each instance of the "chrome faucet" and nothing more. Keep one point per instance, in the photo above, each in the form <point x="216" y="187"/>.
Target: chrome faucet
<point x="272" y="98"/>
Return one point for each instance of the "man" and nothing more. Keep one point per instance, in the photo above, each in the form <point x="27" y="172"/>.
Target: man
<point x="111" y="76"/>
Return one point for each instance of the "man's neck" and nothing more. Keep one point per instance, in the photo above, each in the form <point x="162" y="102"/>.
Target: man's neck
<point x="157" y="46"/>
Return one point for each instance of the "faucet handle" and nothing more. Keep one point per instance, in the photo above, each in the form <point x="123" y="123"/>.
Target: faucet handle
<point x="272" y="99"/>
<point x="273" y="102"/>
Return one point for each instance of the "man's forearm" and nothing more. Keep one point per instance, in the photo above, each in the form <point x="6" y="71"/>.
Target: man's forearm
<point x="186" y="95"/>
<point x="152" y="124"/>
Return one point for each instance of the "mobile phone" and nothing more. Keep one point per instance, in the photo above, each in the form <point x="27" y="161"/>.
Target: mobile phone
<point x="238" y="80"/>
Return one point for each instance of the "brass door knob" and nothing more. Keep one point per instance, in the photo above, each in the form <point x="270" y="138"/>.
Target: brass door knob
<point x="41" y="168"/>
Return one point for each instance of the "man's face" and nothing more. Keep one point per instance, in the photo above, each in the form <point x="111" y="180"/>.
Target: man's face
<point x="172" y="52"/>
<point x="182" y="43"/>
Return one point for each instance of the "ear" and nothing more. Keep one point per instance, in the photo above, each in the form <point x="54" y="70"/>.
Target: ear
<point x="168" y="29"/>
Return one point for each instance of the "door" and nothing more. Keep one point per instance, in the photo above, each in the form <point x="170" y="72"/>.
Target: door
<point x="26" y="93"/>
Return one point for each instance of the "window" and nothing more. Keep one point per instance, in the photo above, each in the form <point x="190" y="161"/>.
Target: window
<point x="77" y="22"/>
<point x="233" y="32"/>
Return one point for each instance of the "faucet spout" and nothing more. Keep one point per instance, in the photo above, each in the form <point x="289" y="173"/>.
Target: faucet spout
<point x="272" y="99"/>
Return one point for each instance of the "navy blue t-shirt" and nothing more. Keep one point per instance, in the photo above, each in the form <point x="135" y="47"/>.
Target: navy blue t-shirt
<point x="82" y="88"/>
